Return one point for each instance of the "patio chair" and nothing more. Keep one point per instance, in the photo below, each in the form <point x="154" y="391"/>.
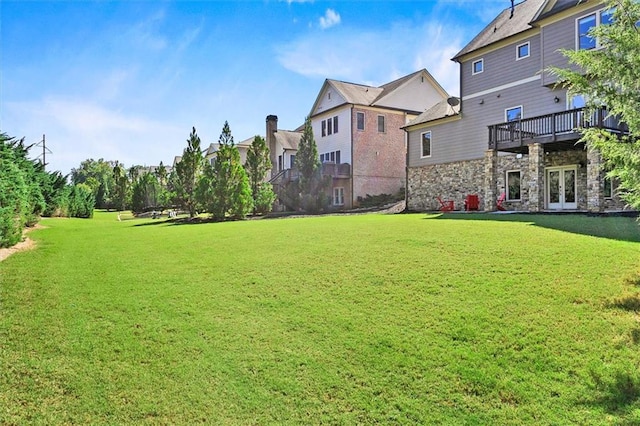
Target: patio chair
<point x="500" y="200"/>
<point x="445" y="206"/>
<point x="471" y="202"/>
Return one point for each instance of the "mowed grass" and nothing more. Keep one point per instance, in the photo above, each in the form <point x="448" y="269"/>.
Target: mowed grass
<point x="392" y="319"/>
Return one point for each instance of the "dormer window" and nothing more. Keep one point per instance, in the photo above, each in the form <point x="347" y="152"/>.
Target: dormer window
<point x="523" y="51"/>
<point x="477" y="67"/>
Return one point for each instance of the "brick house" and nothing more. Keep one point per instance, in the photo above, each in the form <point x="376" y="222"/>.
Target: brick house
<point x="358" y="132"/>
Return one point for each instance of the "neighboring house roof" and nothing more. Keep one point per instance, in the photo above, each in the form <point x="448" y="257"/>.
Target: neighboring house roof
<point x="442" y="109"/>
<point x="288" y="139"/>
<point x="213" y="147"/>
<point x="505" y="26"/>
<point x="361" y="94"/>
<point x="177" y="159"/>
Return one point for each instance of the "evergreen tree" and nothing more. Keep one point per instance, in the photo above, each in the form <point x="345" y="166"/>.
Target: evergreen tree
<point x="187" y="174"/>
<point x="312" y="185"/>
<point x="120" y="188"/>
<point x="230" y="192"/>
<point x="145" y="193"/>
<point x="257" y="166"/>
<point x="610" y="76"/>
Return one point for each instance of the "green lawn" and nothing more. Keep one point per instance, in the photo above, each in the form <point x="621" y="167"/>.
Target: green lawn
<point x="403" y="319"/>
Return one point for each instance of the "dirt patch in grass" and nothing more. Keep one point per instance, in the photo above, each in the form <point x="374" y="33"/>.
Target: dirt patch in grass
<point x="26" y="244"/>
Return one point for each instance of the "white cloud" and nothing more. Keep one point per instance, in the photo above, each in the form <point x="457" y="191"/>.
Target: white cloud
<point x="78" y="129"/>
<point x="330" y="19"/>
<point x="377" y="57"/>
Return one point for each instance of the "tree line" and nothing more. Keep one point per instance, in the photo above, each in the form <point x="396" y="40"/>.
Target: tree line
<point x="28" y="192"/>
<point x="222" y="187"/>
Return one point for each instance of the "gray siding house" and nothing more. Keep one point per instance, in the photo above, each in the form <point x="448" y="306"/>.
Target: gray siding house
<point x="513" y="134"/>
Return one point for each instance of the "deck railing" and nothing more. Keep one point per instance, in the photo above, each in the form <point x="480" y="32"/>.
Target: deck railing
<point x="334" y="170"/>
<point x="548" y="127"/>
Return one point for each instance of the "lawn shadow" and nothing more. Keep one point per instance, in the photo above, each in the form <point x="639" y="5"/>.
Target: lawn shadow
<point x="616" y="227"/>
<point x="627" y="303"/>
<point x="618" y="395"/>
<point x="180" y="221"/>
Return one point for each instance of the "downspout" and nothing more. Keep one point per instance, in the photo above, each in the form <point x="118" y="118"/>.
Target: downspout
<point x="406" y="169"/>
<point x="352" y="159"/>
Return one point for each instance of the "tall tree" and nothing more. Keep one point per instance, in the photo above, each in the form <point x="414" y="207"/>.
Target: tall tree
<point x="98" y="175"/>
<point x="230" y="193"/>
<point x="257" y="166"/>
<point x="187" y="173"/>
<point x="312" y="185"/>
<point x="610" y="76"/>
<point x="120" y="187"/>
<point x="145" y="193"/>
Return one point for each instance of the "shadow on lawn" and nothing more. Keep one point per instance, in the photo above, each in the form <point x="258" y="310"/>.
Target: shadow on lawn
<point x="621" y="228"/>
<point x="618" y="395"/>
<point x="179" y="221"/>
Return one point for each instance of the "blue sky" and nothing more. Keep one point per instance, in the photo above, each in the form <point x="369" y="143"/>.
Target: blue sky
<point x="127" y="80"/>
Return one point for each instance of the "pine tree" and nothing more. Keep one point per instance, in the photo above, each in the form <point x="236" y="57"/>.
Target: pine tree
<point x="610" y="76"/>
<point x="229" y="193"/>
<point x="257" y="166"/>
<point x="312" y="185"/>
<point x="187" y="174"/>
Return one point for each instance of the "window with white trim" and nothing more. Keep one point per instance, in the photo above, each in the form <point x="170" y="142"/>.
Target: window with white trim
<point x="381" y="125"/>
<point x="338" y="196"/>
<point x="425" y="144"/>
<point x="584" y="41"/>
<point x="335" y="124"/>
<point x="330" y="157"/>
<point x="359" y="120"/>
<point x="477" y="67"/>
<point x="523" y="51"/>
<point x="513" y="185"/>
<point x="513" y="114"/>
<point x="324" y="128"/>
<point x="329" y="127"/>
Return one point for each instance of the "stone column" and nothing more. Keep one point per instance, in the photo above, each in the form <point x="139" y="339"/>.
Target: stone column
<point x="490" y="179"/>
<point x="536" y="181"/>
<point x="595" y="181"/>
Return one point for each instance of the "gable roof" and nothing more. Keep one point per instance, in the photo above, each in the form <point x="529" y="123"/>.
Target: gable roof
<point x="440" y="110"/>
<point x="361" y="94"/>
<point x="504" y="26"/>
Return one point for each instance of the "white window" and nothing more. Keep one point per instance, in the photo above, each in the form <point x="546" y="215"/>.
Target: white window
<point x="338" y="196"/>
<point x="523" y="51"/>
<point x="584" y="41"/>
<point x="477" y="67"/>
<point x="292" y="161"/>
<point x="425" y="147"/>
<point x="324" y="128"/>
<point x="360" y="120"/>
<point x="513" y="185"/>
<point x="335" y="124"/>
<point x="329" y="126"/>
<point x="513" y="114"/>
<point x="381" y="127"/>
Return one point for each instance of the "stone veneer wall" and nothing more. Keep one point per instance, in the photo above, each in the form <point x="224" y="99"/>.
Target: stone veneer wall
<point x="450" y="181"/>
<point x="512" y="163"/>
<point x="454" y="181"/>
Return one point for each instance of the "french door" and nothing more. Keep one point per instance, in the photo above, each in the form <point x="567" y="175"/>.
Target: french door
<point x="561" y="188"/>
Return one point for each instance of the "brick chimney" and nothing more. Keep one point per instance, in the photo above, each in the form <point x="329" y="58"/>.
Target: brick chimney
<point x="272" y="127"/>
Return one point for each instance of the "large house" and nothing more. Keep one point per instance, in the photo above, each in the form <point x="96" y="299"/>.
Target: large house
<point x="358" y="132"/>
<point x="513" y="135"/>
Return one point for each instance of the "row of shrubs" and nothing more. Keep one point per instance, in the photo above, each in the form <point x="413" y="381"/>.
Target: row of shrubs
<point x="28" y="192"/>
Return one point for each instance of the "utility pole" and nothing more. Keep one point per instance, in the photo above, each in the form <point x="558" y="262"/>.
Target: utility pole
<point x="43" y="143"/>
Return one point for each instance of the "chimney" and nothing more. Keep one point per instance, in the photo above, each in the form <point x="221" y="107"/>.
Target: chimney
<point x="272" y="127"/>
<point x="512" y="9"/>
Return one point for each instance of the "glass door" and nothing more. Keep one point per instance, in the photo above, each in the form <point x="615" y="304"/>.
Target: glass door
<point x="561" y="188"/>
